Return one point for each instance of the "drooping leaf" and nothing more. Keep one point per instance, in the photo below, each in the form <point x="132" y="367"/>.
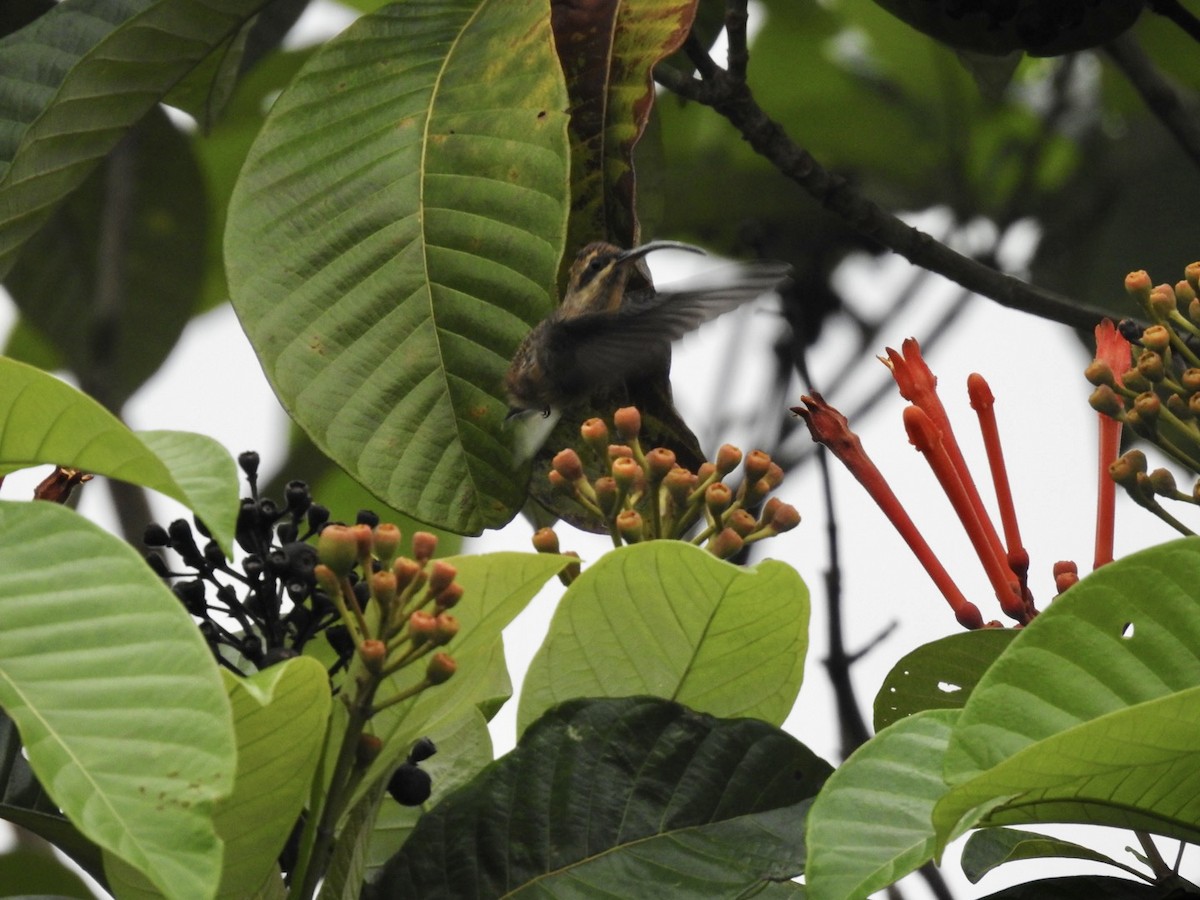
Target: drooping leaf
<point x="394" y="232"/>
<point x="116" y="695"/>
<point x="870" y="825"/>
<point x="114" y="275"/>
<point x="938" y="675"/>
<point x="989" y="848"/>
<point x="634" y="797"/>
<point x="77" y="79"/>
<point x="669" y="619"/>
<point x="47" y="421"/>
<point x="607" y="51"/>
<point x="38" y="874"/>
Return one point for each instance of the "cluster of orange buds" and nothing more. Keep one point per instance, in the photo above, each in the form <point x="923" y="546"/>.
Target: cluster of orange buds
<point x="646" y="495"/>
<point x="1149" y="380"/>
<point x="402" y="617"/>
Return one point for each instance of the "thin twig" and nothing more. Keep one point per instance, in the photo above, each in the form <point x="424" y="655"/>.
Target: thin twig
<point x="735" y="102"/>
<point x="1173" y="107"/>
<point x="1177" y="13"/>
<point x="738" y="55"/>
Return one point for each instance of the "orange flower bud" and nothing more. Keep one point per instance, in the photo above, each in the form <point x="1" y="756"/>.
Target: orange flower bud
<point x="1162" y="301"/>
<point x="424" y="545"/>
<point x="421" y="627"/>
<point x="558" y="483"/>
<point x="327" y="580"/>
<point x="659" y="462"/>
<point x="449" y="596"/>
<point x="1150" y="366"/>
<point x="386" y="540"/>
<point x="445" y="628"/>
<point x="628" y="421"/>
<point x="441" y="667"/>
<point x="373" y="654"/>
<point x="441" y="574"/>
<point x="545" y="540"/>
<point x="717" y="497"/>
<point x="742" y="522"/>
<point x="726" y="544"/>
<point x="568" y="464"/>
<point x="405" y="570"/>
<point x="1163" y="482"/>
<point x="785" y="518"/>
<point x="606" y="494"/>
<point x="618" y="451"/>
<point x="679" y="484"/>
<point x="728" y="459"/>
<point x="626" y="472"/>
<point x="630" y="526"/>
<point x="595" y="434"/>
<point x="383" y="587"/>
<point x="364" y="540"/>
<point x="756" y="464"/>
<point x="1156" y="338"/>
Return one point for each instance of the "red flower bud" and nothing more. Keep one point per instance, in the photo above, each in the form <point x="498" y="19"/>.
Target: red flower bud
<point x="373" y="654"/>
<point x="660" y="461"/>
<point x="756" y="464"/>
<point x="449" y="596"/>
<point x="440" y="575"/>
<point x="630" y="526"/>
<point x="726" y="544"/>
<point x="568" y="464"/>
<point x="421" y="627"/>
<point x="424" y="545"/>
<point x="385" y="541"/>
<point x="717" y="497"/>
<point x="445" y="628"/>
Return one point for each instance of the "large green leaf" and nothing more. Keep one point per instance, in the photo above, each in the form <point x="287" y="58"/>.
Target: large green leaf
<point x="117" y="697"/>
<point x="870" y="825"/>
<point x="938" y="675"/>
<point x="1127" y="634"/>
<point x="395" y="231"/>
<point x="279" y="717"/>
<point x="114" y="275"/>
<point x="669" y="619"/>
<point x="77" y="79"/>
<point x="1136" y="768"/>
<point x="637" y="797"/>
<point x="1093" y="712"/>
<point x="44" y="420"/>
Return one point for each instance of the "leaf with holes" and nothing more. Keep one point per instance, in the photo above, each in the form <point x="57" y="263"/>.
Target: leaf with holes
<point x="669" y="619"/>
<point x="689" y="807"/>
<point x="938" y="675"/>
<point x="394" y="234"/>
<point x="117" y="697"/>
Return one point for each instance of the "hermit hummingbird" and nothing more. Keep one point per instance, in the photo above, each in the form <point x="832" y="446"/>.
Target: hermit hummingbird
<point x="606" y="332"/>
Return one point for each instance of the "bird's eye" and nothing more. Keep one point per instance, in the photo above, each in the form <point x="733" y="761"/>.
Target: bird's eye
<point x="596" y="264"/>
<point x="545" y="412"/>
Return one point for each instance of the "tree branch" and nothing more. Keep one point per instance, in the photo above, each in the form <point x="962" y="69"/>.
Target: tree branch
<point x="735" y="102"/>
<point x="1175" y="109"/>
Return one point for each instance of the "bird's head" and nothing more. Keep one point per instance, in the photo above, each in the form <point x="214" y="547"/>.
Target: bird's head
<point x="597" y="280"/>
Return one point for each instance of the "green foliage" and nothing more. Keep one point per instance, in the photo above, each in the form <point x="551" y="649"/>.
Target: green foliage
<point x="391" y="211"/>
<point x="48" y="421"/>
<point x="1089" y="715"/>
<point x="121" y="711"/>
<point x="668" y="619"/>
<point x="712" y="807"/>
<point x="385" y="264"/>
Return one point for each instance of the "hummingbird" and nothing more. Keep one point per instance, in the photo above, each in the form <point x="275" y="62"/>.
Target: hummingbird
<point x="613" y="327"/>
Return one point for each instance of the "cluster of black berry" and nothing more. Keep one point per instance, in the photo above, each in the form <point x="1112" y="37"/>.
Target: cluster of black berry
<point x="267" y="607"/>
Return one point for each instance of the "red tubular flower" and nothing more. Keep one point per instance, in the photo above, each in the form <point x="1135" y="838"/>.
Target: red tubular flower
<point x="918" y="385"/>
<point x="927" y="438"/>
<point x="1112" y="350"/>
<point x="983" y="402"/>
<point x="830" y="428"/>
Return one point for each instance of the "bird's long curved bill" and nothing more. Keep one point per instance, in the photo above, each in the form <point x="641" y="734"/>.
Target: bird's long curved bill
<point x="639" y="252"/>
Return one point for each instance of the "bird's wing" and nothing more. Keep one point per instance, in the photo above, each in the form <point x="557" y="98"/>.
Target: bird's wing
<point x="603" y="348"/>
